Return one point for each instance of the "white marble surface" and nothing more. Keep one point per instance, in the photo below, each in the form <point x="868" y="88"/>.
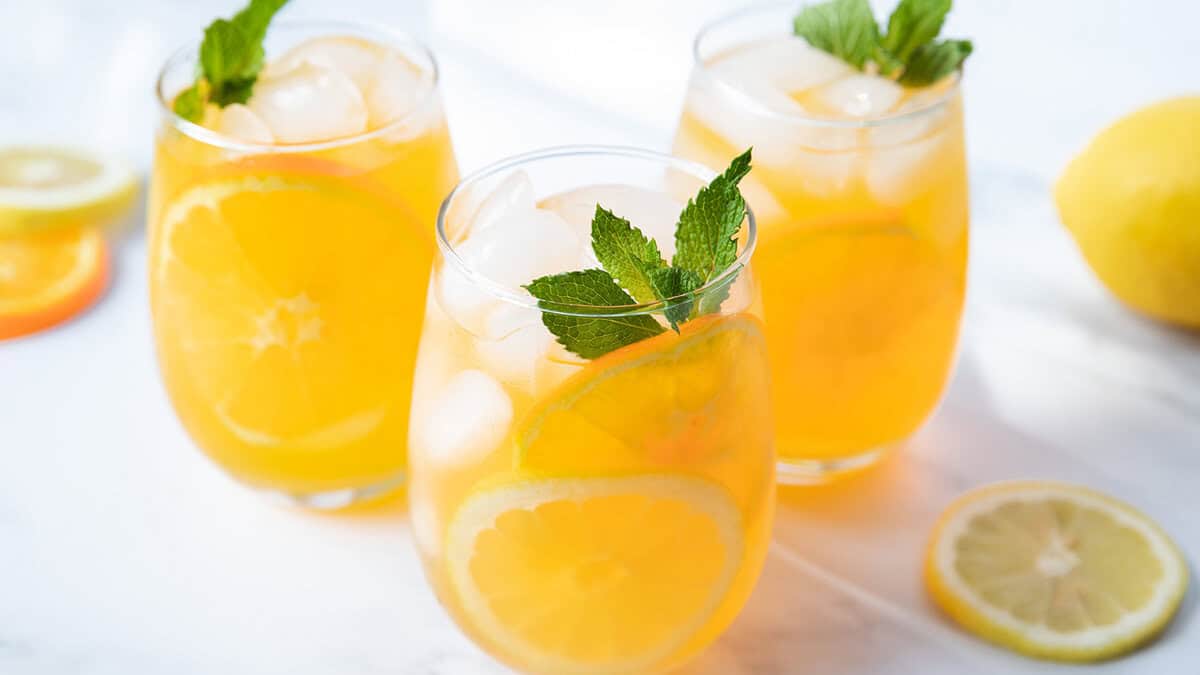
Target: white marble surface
<point x="123" y="552"/>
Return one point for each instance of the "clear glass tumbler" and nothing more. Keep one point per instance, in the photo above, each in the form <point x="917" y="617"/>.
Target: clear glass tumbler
<point x="860" y="188"/>
<point x="603" y="515"/>
<point x="287" y="280"/>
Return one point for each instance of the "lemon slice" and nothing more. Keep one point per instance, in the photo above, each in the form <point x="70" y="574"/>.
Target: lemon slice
<point x="46" y="187"/>
<point x="1054" y="570"/>
<point x="593" y="576"/>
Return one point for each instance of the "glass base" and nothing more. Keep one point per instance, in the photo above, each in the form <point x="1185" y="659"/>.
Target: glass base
<point x="333" y="499"/>
<point x="800" y="471"/>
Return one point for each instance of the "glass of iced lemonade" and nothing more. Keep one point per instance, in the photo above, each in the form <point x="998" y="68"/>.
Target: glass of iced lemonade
<point x="591" y="453"/>
<point x="291" y="237"/>
<point x="860" y="189"/>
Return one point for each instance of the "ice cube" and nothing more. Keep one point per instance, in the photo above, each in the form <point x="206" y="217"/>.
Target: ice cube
<point x="392" y="90"/>
<point x="238" y="121"/>
<point x="521" y="244"/>
<point x="860" y="96"/>
<point x="786" y="65"/>
<point x="514" y="358"/>
<point x="515" y="191"/>
<point x="353" y="57"/>
<point x="785" y="137"/>
<point x="654" y="212"/>
<point x="902" y="151"/>
<point x="310" y="103"/>
<point x="467" y="420"/>
<point x="390" y="84"/>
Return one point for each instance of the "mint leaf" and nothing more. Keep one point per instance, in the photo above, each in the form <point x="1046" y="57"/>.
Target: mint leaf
<point x="231" y="57"/>
<point x="583" y="293"/>
<point x="934" y="61"/>
<point x="674" y="282"/>
<point x="705" y="236"/>
<point x="844" y="28"/>
<point x="256" y="17"/>
<point x="627" y="254"/>
<point x="913" y="24"/>
<point x="189" y="104"/>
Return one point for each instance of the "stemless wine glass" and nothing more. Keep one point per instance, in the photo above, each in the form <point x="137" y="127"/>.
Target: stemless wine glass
<point x="287" y="279"/>
<point x="860" y="188"/>
<point x="605" y="515"/>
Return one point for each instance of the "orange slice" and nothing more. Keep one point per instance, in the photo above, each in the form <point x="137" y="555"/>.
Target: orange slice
<point x="284" y="292"/>
<point x="48" y="278"/>
<point x="656" y="404"/>
<point x="592" y="576"/>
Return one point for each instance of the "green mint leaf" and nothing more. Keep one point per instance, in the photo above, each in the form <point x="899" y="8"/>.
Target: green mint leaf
<point x="230" y="61"/>
<point x="887" y="62"/>
<point x="189" y="104"/>
<point x="581" y="293"/>
<point x="934" y="61"/>
<point x="844" y="28"/>
<point x="231" y="57"/>
<point x="626" y="253"/>
<point x="675" y="284"/>
<point x="705" y="236"/>
<point x="913" y="24"/>
<point x="256" y="17"/>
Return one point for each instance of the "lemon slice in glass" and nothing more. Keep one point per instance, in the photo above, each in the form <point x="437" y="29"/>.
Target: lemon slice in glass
<point x="49" y="187"/>
<point x="1054" y="570"/>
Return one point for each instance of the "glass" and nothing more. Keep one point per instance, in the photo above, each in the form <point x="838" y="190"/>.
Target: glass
<point x="598" y="516"/>
<point x="864" y="245"/>
<point x="287" y="285"/>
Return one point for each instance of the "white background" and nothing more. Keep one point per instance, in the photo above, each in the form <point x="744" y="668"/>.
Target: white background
<point x="122" y="551"/>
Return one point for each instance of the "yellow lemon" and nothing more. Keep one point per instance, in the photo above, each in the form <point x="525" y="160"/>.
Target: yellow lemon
<point x="1054" y="570"/>
<point x="44" y="188"/>
<point x="1132" y="202"/>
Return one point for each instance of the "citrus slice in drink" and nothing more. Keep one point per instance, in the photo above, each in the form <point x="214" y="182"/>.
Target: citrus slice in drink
<point x="657" y="404"/>
<point x="583" y="576"/>
<point x="49" y="277"/>
<point x="44" y="188"/>
<point x="283" y="289"/>
<point x="1054" y="570"/>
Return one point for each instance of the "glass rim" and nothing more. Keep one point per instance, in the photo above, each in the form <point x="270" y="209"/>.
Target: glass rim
<point x="507" y="294"/>
<point x="699" y="65"/>
<point x="390" y="37"/>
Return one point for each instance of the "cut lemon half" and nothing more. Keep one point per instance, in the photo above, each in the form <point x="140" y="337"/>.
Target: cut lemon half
<point x="667" y="402"/>
<point x="48" y="278"/>
<point x="284" y="297"/>
<point x="594" y="576"/>
<point x="47" y="188"/>
<point x="1054" y="570"/>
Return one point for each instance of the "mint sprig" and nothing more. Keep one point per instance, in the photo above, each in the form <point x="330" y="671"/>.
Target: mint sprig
<point x="581" y="293"/>
<point x="844" y="28"/>
<point x="231" y="57"/>
<point x="576" y="303"/>
<point x="908" y="51"/>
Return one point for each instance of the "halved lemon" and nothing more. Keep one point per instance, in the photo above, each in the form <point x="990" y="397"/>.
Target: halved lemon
<point x="1054" y="570"/>
<point x="49" y="188"/>
<point x="48" y="278"/>
<point x="663" y="403"/>
<point x="594" y="576"/>
<point x="285" y="295"/>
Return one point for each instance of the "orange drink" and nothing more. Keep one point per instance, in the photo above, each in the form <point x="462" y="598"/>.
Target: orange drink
<point x="290" y="244"/>
<point x="860" y="188"/>
<point x="583" y="505"/>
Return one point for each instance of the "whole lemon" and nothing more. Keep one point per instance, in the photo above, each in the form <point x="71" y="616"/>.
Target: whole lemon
<point x="1132" y="202"/>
